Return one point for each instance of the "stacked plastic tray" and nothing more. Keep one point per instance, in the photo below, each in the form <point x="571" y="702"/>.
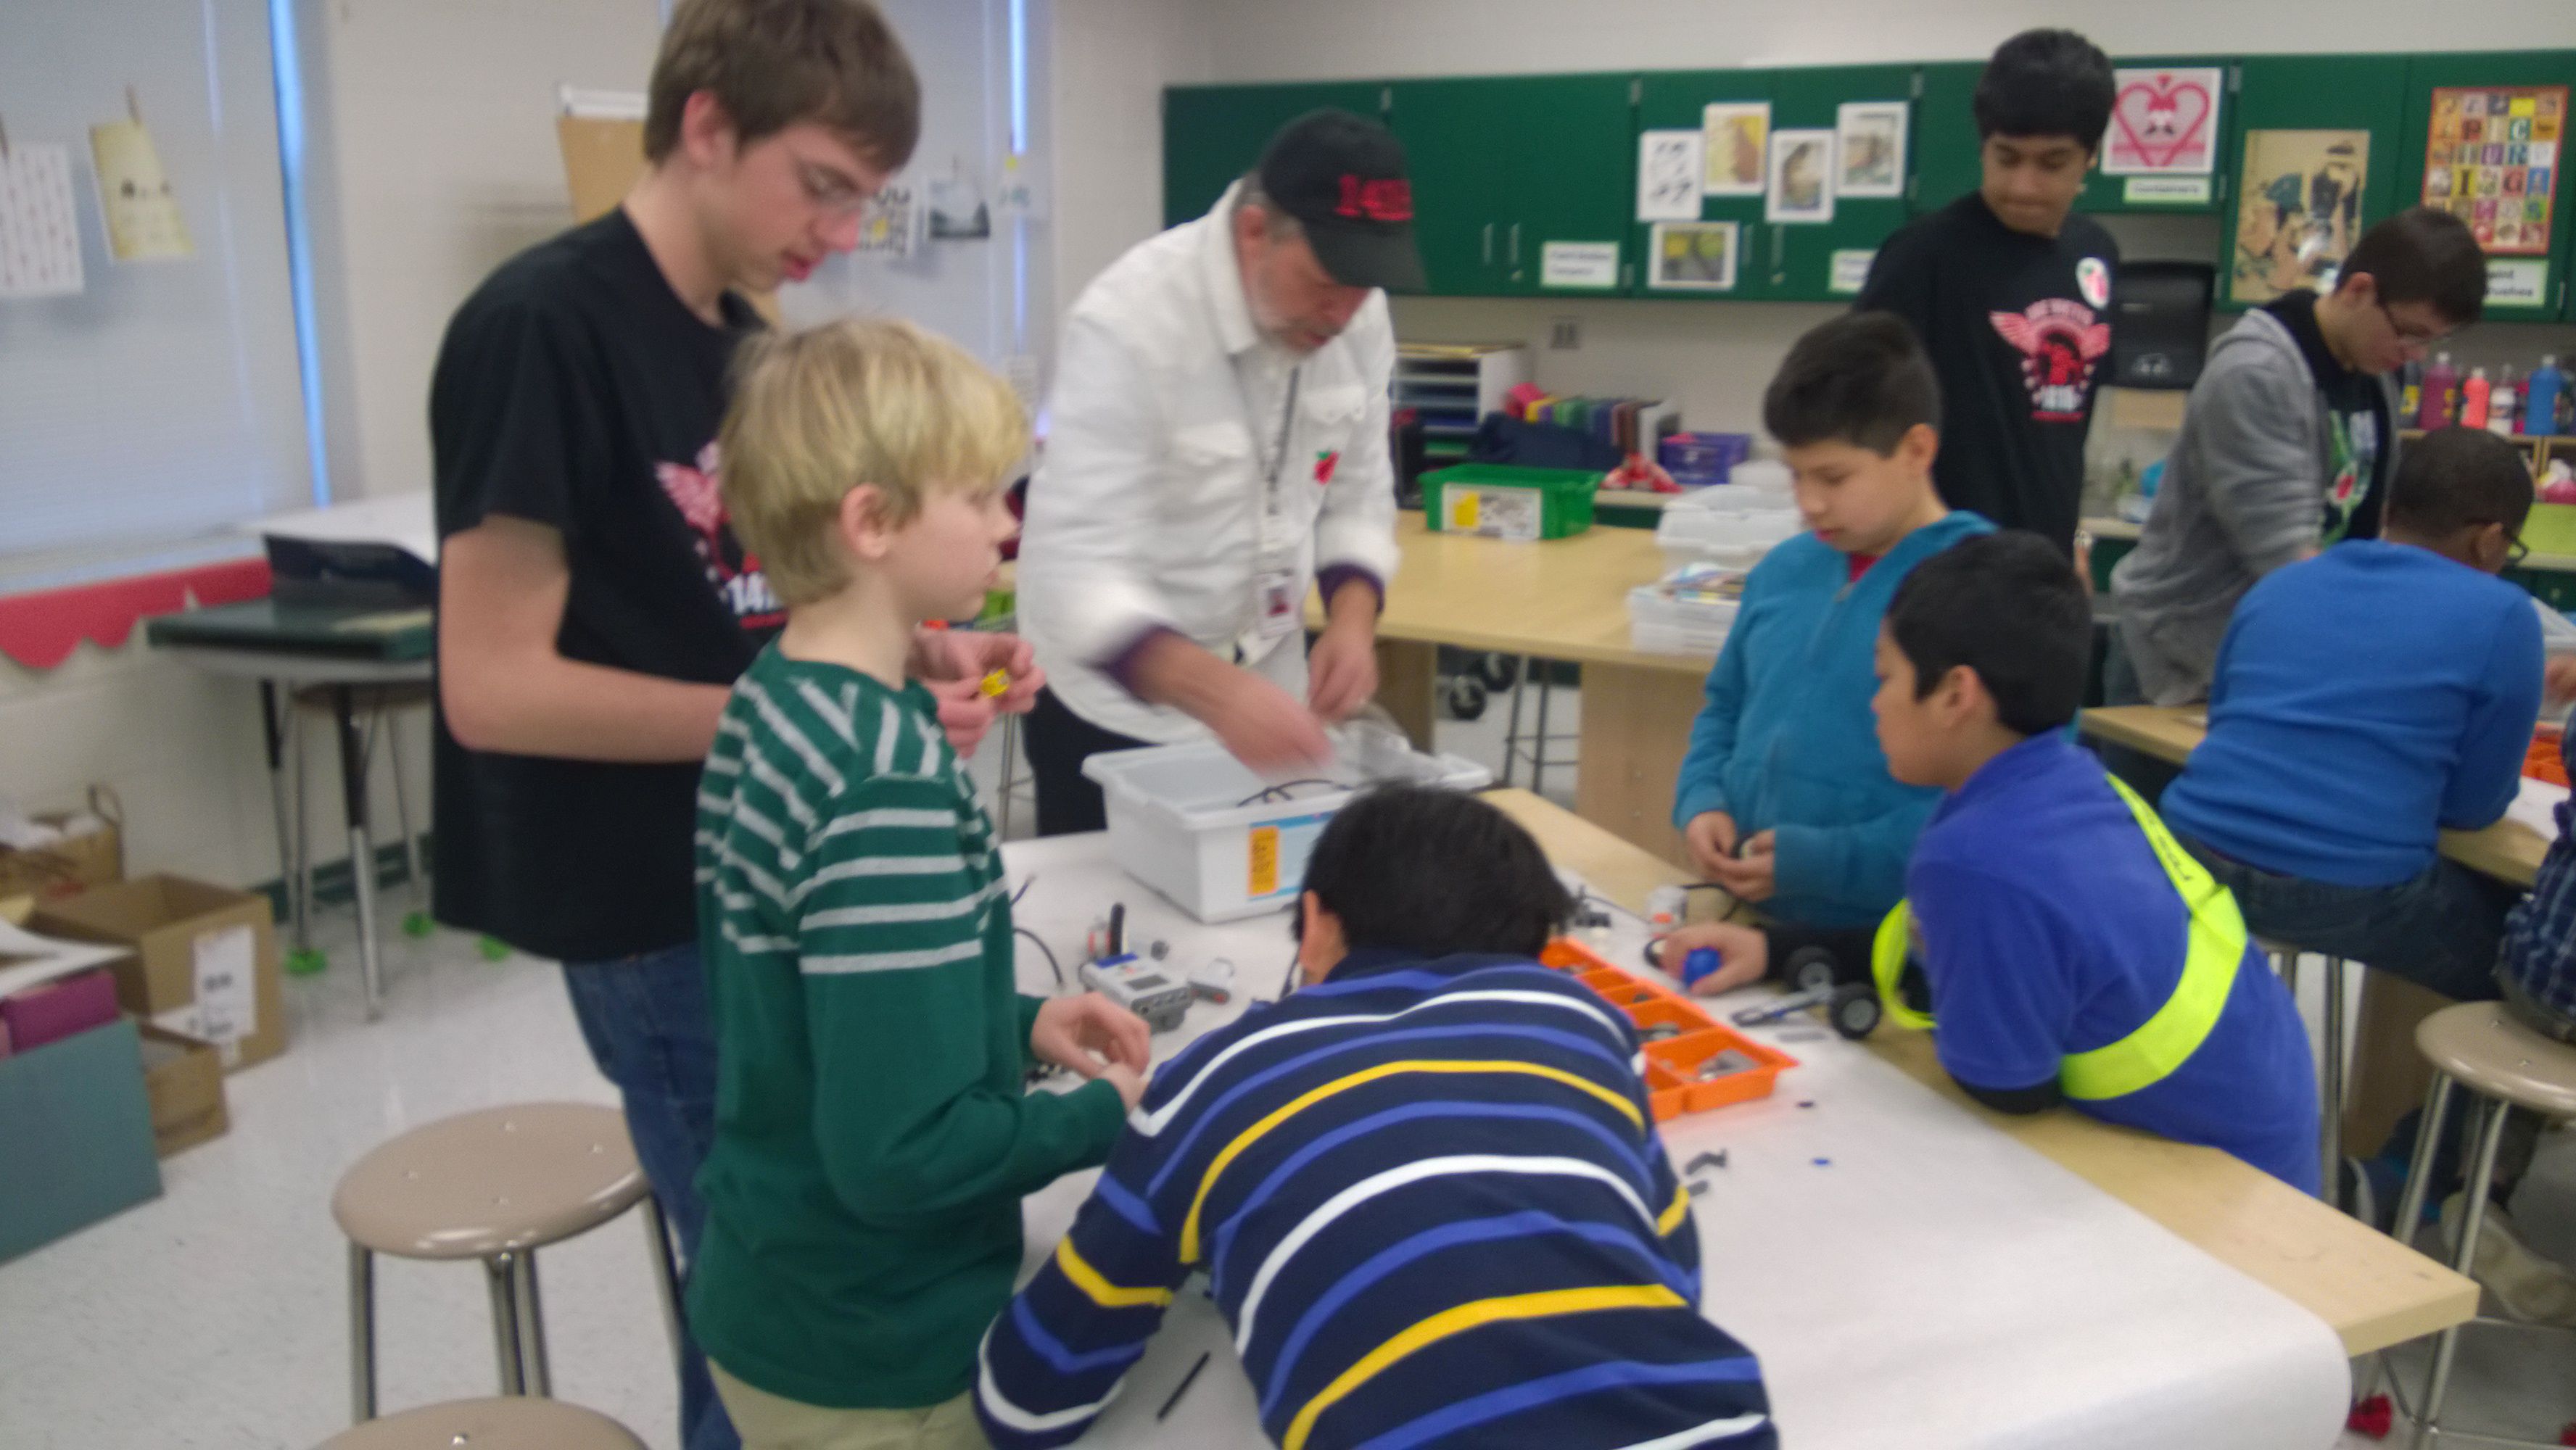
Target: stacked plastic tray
<point x="1693" y="1061"/>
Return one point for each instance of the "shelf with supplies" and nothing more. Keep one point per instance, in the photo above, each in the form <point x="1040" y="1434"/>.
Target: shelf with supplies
<point x="1452" y="386"/>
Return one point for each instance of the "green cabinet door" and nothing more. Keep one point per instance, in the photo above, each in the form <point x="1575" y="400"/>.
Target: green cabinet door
<point x="2308" y="128"/>
<point x="1679" y="101"/>
<point x="1505" y="166"/>
<point x="1214" y="134"/>
<point x="1945" y="135"/>
<point x="2527" y="273"/>
<point x="1804" y="261"/>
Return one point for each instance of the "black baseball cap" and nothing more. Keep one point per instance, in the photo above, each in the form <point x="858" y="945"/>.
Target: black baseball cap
<point x="1342" y="178"/>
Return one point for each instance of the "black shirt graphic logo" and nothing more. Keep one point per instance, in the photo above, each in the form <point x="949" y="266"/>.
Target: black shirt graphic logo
<point x="735" y="574"/>
<point x="2060" y="342"/>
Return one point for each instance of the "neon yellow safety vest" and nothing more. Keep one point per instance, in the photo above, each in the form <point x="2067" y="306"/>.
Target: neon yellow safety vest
<point x="2165" y="1040"/>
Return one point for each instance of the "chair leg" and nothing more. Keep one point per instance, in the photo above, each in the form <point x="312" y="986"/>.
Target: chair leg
<point x="1538" y="752"/>
<point x="1512" y="731"/>
<point x="2337" y="970"/>
<point x="402" y="814"/>
<point x="2481" y="1175"/>
<point x="666" y="1274"/>
<point x="500" y="1275"/>
<point x="2419" y="1173"/>
<point x="362" y="1334"/>
<point x="532" y="1325"/>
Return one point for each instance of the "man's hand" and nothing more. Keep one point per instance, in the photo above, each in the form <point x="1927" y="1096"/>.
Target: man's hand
<point x="952" y="664"/>
<point x="1265" y="727"/>
<point x="1711" y="839"/>
<point x="1341" y="671"/>
<point x="1131" y="1087"/>
<point x="1752" y="876"/>
<point x="1743" y="955"/>
<point x="1089" y="1034"/>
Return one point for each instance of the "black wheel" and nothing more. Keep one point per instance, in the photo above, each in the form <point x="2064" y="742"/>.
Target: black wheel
<point x="1810" y="969"/>
<point x="1854" y="1012"/>
<point x="1499" y="672"/>
<point x="1465" y="697"/>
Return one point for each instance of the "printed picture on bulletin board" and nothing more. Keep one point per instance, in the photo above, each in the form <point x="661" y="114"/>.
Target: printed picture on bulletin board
<point x="2163" y="122"/>
<point x="1737" y="134"/>
<point x="2300" y="210"/>
<point x="1694" y="257"/>
<point x="2492" y="161"/>
<point x="1802" y="177"/>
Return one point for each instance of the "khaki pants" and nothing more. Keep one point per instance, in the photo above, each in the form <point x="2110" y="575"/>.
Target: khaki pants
<point x="768" y="1422"/>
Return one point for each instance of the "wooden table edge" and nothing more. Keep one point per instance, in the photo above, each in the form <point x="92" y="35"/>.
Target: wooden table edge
<point x="2187" y="1202"/>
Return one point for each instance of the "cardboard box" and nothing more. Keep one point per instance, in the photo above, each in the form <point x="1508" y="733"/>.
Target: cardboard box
<point x="204" y="959"/>
<point x="183" y="1080"/>
<point x="69" y="866"/>
<point x="75" y="1134"/>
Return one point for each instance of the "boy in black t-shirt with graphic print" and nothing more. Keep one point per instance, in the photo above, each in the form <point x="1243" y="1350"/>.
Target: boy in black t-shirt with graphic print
<point x="2011" y="294"/>
<point x="594" y="607"/>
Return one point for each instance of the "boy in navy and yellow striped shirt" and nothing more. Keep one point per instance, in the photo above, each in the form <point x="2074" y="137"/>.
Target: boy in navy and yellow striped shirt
<point x="1426" y="1190"/>
<point x="873" y="1139"/>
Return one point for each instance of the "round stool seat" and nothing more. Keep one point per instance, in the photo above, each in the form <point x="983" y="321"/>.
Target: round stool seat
<point x="491" y="1182"/>
<point x="2487" y="1049"/>
<point x="515" y="1423"/>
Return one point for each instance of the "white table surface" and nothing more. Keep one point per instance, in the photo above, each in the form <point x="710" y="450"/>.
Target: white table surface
<point x="1908" y="1275"/>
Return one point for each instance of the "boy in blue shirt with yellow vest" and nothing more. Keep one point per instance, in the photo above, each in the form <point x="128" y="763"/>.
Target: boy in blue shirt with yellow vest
<point x="1784" y="798"/>
<point x="2073" y="952"/>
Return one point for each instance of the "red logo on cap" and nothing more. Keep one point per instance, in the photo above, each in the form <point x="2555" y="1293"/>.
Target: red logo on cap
<point x="1386" y="200"/>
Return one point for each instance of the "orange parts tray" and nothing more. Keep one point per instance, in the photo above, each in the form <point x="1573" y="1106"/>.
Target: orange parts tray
<point x="1672" y="1064"/>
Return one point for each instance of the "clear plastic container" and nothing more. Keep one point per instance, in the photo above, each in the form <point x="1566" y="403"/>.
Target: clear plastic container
<point x="1687" y="612"/>
<point x="1199" y="826"/>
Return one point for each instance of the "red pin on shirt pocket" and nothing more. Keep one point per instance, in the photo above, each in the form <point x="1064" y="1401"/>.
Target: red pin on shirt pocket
<point x="1325" y="462"/>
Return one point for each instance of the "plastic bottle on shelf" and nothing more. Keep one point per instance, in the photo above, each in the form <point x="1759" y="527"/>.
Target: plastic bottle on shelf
<point x="2473" y="399"/>
<point x="2439" y="381"/>
<point x="2503" y="415"/>
<point x="2410" y="392"/>
<point x="2540" y="397"/>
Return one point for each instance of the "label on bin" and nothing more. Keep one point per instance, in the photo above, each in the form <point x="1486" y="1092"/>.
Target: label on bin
<point x="227" y="985"/>
<point x="1276" y="855"/>
<point x="1495" y="513"/>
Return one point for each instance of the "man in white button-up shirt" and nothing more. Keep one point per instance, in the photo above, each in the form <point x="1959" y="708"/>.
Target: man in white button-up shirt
<point x="1218" y="447"/>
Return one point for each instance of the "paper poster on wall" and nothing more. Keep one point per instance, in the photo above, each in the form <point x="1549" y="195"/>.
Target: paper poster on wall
<point x="1584" y="266"/>
<point x="1693" y="257"/>
<point x="1669" y="168"/>
<point x="1802" y="177"/>
<point x="2491" y="159"/>
<point x="1737" y="137"/>
<point x="2164" y="122"/>
<point x="1869" y="148"/>
<point x="893" y="224"/>
<point x="39" y="227"/>
<point x="957" y="209"/>
<point x="143" y="221"/>
<point x="2299" y="211"/>
<point x="2517" y="282"/>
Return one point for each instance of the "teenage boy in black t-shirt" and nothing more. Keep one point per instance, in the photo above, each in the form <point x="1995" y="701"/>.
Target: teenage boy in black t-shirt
<point x="2011" y="294"/>
<point x="594" y="607"/>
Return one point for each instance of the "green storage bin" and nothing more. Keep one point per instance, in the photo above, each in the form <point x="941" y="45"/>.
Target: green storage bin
<point x="75" y="1136"/>
<point x="1499" y="501"/>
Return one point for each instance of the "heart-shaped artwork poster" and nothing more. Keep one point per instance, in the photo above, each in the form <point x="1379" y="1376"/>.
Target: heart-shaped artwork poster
<point x="2163" y="123"/>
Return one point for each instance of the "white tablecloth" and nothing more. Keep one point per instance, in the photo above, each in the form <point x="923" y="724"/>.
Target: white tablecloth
<point x="1910" y="1276"/>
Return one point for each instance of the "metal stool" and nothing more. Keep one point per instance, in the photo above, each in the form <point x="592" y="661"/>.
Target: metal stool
<point x="515" y="1424"/>
<point x="2504" y="1065"/>
<point x="495" y="1185"/>
<point x="2330" y="1096"/>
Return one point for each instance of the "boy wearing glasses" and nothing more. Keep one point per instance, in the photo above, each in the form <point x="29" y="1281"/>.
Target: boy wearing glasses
<point x="2287" y="447"/>
<point x="2363" y="701"/>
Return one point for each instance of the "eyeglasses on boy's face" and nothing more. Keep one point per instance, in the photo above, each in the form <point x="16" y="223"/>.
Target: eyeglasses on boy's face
<point x="2413" y="338"/>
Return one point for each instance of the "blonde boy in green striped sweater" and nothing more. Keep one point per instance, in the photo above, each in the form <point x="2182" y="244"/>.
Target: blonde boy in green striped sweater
<point x="873" y="1139"/>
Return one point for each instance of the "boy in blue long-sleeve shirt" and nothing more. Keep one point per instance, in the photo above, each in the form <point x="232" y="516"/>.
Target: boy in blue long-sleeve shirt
<point x="2364" y="700"/>
<point x="1784" y="798"/>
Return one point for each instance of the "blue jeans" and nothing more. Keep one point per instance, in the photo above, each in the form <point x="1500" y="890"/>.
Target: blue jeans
<point x="646" y="1021"/>
<point x="2439" y="930"/>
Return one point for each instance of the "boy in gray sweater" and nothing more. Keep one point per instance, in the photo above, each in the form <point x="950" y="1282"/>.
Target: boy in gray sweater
<point x="2287" y="446"/>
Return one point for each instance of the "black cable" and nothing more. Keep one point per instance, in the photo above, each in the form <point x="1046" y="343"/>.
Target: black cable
<point x="1288" y="981"/>
<point x="1267" y="792"/>
<point x="1024" y="888"/>
<point x="1043" y="947"/>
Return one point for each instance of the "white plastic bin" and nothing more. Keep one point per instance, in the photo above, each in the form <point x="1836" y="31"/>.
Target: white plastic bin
<point x="1732" y="524"/>
<point x="1191" y="822"/>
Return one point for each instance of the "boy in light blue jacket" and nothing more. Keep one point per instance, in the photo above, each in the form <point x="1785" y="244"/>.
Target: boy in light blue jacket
<point x="1784" y="798"/>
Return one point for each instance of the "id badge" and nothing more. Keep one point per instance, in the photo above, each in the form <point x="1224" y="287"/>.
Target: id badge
<point x="1278" y="604"/>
